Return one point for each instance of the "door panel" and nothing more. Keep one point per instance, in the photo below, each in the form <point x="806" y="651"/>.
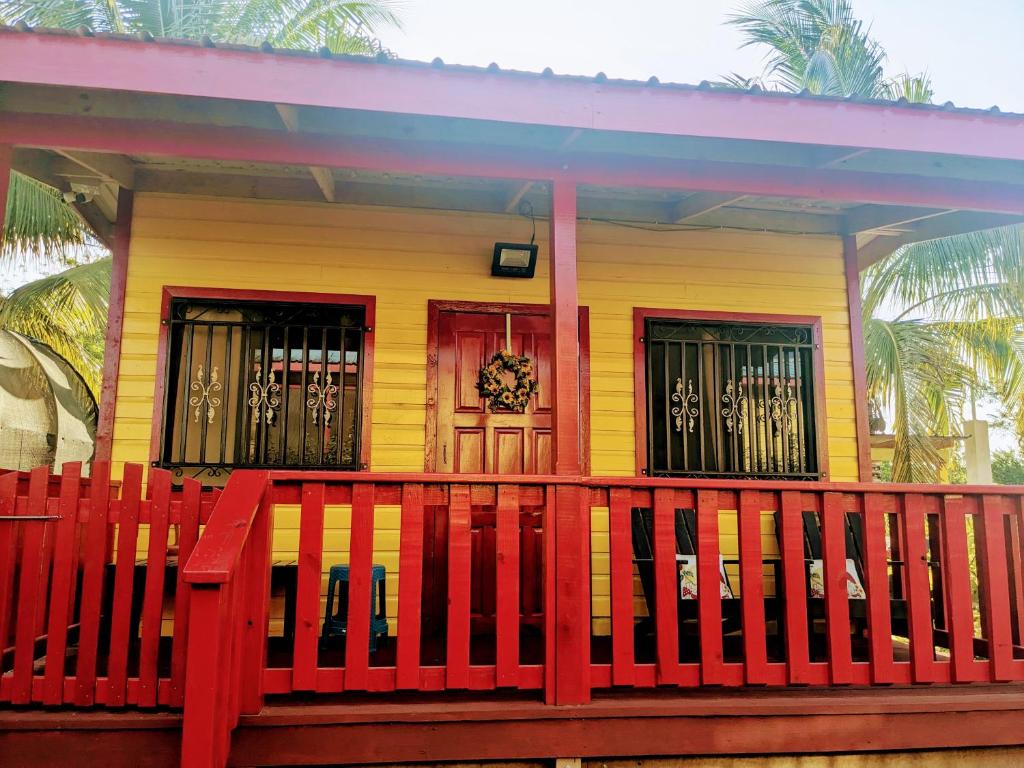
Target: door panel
<point x="473" y="440"/>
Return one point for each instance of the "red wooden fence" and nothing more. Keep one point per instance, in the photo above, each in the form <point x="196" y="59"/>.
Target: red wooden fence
<point x="81" y="615"/>
<point x="81" y="606"/>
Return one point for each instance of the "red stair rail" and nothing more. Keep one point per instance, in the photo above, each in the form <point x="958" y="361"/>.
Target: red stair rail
<point x="228" y="577"/>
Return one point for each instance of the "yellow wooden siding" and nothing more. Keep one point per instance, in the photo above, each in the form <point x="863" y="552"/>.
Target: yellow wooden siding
<point x="405" y="257"/>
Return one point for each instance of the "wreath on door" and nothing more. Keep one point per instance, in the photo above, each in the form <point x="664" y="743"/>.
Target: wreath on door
<point x="497" y="392"/>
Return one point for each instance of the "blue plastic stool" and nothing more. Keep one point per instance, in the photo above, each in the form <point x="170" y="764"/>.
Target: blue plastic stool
<point x="336" y="617"/>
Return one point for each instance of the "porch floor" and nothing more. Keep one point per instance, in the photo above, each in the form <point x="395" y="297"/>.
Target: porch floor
<point x="366" y="729"/>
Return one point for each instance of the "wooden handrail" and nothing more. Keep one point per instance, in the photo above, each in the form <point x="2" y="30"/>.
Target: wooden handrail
<point x="216" y="555"/>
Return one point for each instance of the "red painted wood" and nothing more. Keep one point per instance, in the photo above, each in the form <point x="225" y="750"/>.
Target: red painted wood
<point x="565" y="371"/>
<point x="572" y="602"/>
<point x="62" y="596"/>
<point x="152" y="601"/>
<point x="666" y="587"/>
<point x="216" y="554"/>
<point x="95" y="558"/>
<point x="308" y="581"/>
<point x="957" y="583"/>
<point x="115" y="324"/>
<point x="357" y="639"/>
<point x="922" y="651"/>
<point x="550" y="592"/>
<point x="837" y="608"/>
<point x="621" y="578"/>
<point x="256" y="616"/>
<point x="876" y="577"/>
<point x="1016" y="545"/>
<point x="508" y="579"/>
<point x="204" y="725"/>
<point x="31" y="600"/>
<point x="459" y="575"/>
<point x="8" y="555"/>
<point x="755" y="639"/>
<point x="124" y="573"/>
<point x="794" y="576"/>
<point x="410" y="588"/>
<point x="853" y="301"/>
<point x="188" y="535"/>
<point x="107" y="63"/>
<point x="995" y="595"/>
<point x="708" y="591"/>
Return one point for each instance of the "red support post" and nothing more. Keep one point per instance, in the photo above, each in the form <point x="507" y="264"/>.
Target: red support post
<point x="860" y="386"/>
<point x="115" y="323"/>
<point x="572" y="508"/>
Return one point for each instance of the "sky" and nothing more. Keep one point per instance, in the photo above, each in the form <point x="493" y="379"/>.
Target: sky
<point x="973" y="51"/>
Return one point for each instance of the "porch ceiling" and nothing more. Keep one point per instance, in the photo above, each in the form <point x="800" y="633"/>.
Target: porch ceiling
<point x="805" y="174"/>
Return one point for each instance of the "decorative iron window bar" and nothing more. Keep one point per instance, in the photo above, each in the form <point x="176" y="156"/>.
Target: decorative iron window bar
<point x="730" y="400"/>
<point x="256" y="384"/>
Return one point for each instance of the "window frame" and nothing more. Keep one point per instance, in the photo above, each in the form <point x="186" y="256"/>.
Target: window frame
<point x="172" y="292"/>
<point x="640" y="317"/>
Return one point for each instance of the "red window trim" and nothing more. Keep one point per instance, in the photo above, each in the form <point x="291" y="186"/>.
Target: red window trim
<point x="434" y="309"/>
<point x="641" y="314"/>
<point x="170" y="292"/>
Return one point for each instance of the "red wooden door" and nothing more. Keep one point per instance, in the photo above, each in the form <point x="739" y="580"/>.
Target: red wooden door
<point x="470" y="438"/>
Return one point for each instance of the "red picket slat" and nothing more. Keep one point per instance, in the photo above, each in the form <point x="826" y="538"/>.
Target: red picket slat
<point x="957" y="582"/>
<point x="621" y="578"/>
<point x="124" y="577"/>
<point x="63" y="592"/>
<point x="188" y="535"/>
<point x="755" y="638"/>
<point x="666" y="587"/>
<point x="31" y="600"/>
<point x="507" y="579"/>
<point x="709" y="595"/>
<point x="153" y="597"/>
<point x="357" y="636"/>
<point x="922" y="649"/>
<point x="996" y="593"/>
<point x="307" y="589"/>
<point x="410" y="588"/>
<point x="459" y="575"/>
<point x="256" y="614"/>
<point x="95" y="556"/>
<point x="876" y="576"/>
<point x="8" y="553"/>
<point x="837" y="608"/>
<point x="1016" y="576"/>
<point x="794" y="576"/>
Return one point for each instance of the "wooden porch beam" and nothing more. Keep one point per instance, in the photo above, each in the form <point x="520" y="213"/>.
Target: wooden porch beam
<point x="184" y="70"/>
<point x="322" y="176"/>
<point x="254" y="145"/>
<point x="109" y="166"/>
<point x="512" y="206"/>
<point x="704" y="202"/>
<point x="955" y="223"/>
<point x="866" y="218"/>
<point x="115" y="324"/>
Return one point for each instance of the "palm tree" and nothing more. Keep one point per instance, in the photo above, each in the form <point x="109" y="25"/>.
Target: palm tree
<point x="67" y="310"/>
<point x="942" y="318"/>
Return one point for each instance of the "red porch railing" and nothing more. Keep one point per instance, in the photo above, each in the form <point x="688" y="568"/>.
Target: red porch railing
<point x="82" y="602"/>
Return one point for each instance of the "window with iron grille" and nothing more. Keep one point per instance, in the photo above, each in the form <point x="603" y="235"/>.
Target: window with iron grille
<point x="730" y="400"/>
<point x="262" y="384"/>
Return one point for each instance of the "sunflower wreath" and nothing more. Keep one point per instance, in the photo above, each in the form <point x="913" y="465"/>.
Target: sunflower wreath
<point x="499" y="395"/>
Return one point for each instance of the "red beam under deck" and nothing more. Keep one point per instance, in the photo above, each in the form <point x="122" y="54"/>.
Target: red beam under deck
<point x="143" y="137"/>
<point x="184" y="70"/>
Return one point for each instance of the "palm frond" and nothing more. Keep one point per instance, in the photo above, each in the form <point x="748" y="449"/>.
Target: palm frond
<point x="39" y="222"/>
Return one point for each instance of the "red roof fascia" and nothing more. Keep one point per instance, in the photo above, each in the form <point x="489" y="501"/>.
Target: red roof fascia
<point x="167" y="68"/>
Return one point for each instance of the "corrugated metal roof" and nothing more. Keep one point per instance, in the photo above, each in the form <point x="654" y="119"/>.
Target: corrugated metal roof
<point x="494" y="69"/>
